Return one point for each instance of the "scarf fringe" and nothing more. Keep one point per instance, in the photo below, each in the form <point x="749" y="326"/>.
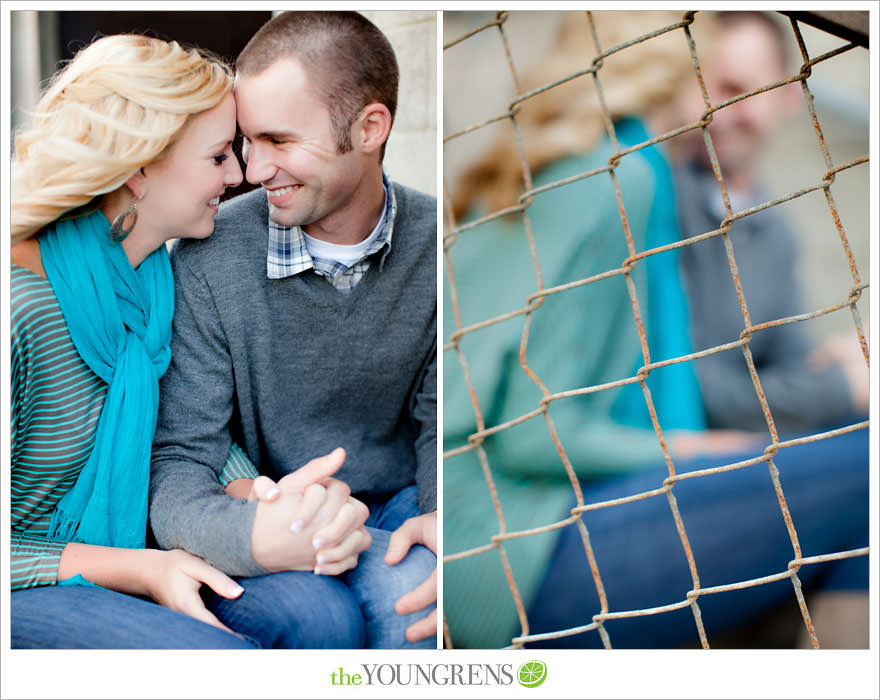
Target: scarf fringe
<point x="62" y="527"/>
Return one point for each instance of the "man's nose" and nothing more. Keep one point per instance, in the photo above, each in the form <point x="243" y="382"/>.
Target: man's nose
<point x="260" y="167"/>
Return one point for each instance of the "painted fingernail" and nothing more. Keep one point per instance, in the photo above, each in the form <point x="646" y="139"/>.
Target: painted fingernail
<point x="319" y="570"/>
<point x="272" y="492"/>
<point x="297" y="525"/>
<point x="322" y="559"/>
<point x="318" y="542"/>
<point x="235" y="590"/>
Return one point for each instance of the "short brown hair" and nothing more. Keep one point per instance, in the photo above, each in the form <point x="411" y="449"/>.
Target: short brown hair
<point x="771" y="22"/>
<point x="349" y="62"/>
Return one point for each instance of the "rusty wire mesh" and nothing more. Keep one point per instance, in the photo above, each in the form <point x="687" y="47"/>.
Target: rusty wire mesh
<point x="453" y="353"/>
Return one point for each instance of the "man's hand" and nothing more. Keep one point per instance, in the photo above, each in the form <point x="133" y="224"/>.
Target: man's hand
<point x="419" y="530"/>
<point x="691" y="444"/>
<point x="308" y="520"/>
<point x="846" y="351"/>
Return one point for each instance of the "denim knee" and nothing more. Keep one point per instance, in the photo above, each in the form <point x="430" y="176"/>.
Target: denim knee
<point x="390" y="513"/>
<point x="378" y="586"/>
<point x="295" y="610"/>
<point x="415" y="568"/>
<point x="343" y="623"/>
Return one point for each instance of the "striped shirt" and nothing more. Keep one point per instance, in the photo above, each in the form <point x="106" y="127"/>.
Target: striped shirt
<point x="56" y="402"/>
<point x="288" y="250"/>
<point x="55" y="405"/>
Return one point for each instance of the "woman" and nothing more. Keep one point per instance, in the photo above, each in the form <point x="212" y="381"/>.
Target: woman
<point x="585" y="336"/>
<point x="131" y="147"/>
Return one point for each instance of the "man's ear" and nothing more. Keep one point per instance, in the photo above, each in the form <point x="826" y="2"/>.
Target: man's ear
<point x="372" y="128"/>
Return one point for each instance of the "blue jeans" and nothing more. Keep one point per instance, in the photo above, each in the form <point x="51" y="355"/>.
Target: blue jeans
<point x="736" y="532"/>
<point x="80" y="617"/>
<point x="297" y="609"/>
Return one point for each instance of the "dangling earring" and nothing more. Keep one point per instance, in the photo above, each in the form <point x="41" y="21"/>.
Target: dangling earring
<point x="118" y="232"/>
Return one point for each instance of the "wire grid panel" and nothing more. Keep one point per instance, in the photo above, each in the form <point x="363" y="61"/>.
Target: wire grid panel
<point x="454" y="353"/>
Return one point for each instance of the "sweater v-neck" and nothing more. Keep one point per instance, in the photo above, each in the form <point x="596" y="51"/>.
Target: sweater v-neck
<point x="325" y="294"/>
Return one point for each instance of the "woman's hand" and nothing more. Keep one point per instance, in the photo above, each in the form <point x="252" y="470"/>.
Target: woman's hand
<point x="173" y="579"/>
<point x="321" y="529"/>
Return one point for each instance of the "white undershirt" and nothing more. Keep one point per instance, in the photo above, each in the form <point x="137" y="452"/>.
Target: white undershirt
<point x="345" y="254"/>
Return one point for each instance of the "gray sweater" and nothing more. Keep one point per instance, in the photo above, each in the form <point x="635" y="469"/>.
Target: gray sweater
<point x="800" y="398"/>
<point x="290" y="369"/>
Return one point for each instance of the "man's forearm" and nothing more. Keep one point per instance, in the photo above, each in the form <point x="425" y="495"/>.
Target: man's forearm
<point x="189" y="510"/>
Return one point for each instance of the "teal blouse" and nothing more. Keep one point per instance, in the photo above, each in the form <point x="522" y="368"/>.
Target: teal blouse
<point x="580" y="337"/>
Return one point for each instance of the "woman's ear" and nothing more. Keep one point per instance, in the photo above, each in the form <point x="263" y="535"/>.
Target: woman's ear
<point x="137" y="184"/>
<point x="373" y="127"/>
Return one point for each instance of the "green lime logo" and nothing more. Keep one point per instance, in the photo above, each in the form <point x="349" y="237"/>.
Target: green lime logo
<point x="531" y="674"/>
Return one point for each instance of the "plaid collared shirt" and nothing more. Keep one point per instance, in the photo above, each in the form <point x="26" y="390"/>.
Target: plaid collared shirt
<point x="289" y="252"/>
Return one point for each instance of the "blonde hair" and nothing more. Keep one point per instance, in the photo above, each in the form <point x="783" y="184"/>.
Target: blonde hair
<point x="117" y="106"/>
<point x="568" y="118"/>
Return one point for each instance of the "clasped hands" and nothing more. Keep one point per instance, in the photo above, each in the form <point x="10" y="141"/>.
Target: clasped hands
<point x="308" y="521"/>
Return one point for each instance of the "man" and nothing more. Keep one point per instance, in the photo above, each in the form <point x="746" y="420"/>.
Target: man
<point x="306" y="322"/>
<point x="805" y="389"/>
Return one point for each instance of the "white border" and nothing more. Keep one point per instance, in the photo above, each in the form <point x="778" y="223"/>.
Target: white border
<point x="571" y="674"/>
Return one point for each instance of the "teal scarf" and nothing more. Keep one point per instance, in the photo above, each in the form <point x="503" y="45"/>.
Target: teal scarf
<point x="675" y="391"/>
<point x="119" y="320"/>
